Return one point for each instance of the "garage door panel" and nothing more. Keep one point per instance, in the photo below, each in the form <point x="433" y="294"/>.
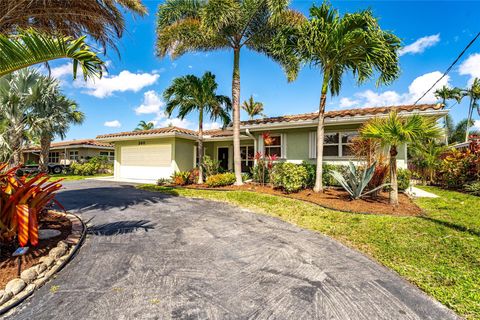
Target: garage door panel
<point x="153" y="155"/>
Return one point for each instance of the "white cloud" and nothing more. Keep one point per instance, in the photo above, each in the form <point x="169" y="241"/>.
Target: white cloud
<point x="162" y="122"/>
<point x="112" y="124"/>
<point x="348" y="103"/>
<point x="471" y="67"/>
<point x="124" y="81"/>
<point x="152" y="103"/>
<point x="211" y="125"/>
<point x="62" y="71"/>
<point x="420" y="45"/>
<point x="419" y="85"/>
<point x="476" y="124"/>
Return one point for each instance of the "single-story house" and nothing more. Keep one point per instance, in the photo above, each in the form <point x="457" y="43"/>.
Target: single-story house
<point x="157" y="153"/>
<point x="66" y="152"/>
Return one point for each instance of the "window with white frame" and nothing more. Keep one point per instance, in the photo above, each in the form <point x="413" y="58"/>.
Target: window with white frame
<point x="273" y="146"/>
<point x="73" y="155"/>
<point x="335" y="144"/>
<point x="109" y="154"/>
<point x="54" y="157"/>
<point x="247" y="153"/>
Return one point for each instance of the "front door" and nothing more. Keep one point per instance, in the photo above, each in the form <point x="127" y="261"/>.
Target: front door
<point x="223" y="158"/>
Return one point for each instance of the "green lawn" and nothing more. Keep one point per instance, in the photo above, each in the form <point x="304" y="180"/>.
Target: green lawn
<point x="65" y="177"/>
<point x="439" y="252"/>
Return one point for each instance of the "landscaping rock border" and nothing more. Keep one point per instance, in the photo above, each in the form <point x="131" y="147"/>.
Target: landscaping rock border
<point x="19" y="289"/>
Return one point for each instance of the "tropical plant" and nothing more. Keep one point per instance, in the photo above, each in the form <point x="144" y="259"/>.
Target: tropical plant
<point x="197" y="25"/>
<point x="457" y="133"/>
<point x="163" y="181"/>
<point x="91" y="167"/>
<point x="181" y="178"/>
<point x="15" y="108"/>
<point x="220" y="180"/>
<point x="253" y="108"/>
<point x="143" y="125"/>
<point x="289" y="176"/>
<point x="336" y="45"/>
<point x="21" y="201"/>
<point x="459" y="167"/>
<point x="473" y="188"/>
<point x="29" y="47"/>
<point x="473" y="92"/>
<point x="355" y="182"/>
<point x="425" y="157"/>
<point x="210" y="166"/>
<point x="404" y="177"/>
<point x="394" y="131"/>
<point x="52" y="115"/>
<point x="445" y="93"/>
<point x="366" y="149"/>
<point x="262" y="168"/>
<point x="192" y="94"/>
<point x="102" y="20"/>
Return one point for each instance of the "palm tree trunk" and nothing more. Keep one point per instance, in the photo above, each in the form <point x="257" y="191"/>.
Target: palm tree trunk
<point x="200" y="147"/>
<point x="320" y="135"/>
<point x="44" y="150"/>
<point x="236" y="116"/>
<point x="16" y="146"/>
<point x="393" y="176"/>
<point x="469" y="118"/>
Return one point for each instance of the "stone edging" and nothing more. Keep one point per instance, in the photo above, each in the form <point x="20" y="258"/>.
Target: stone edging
<point x="19" y="289"/>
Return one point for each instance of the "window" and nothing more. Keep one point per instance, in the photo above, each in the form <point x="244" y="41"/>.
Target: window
<point x="73" y="155"/>
<point x="273" y="146"/>
<point x="347" y="140"/>
<point x="335" y="144"/>
<point x="109" y="154"/>
<point x="54" y="157"/>
<point x="247" y="153"/>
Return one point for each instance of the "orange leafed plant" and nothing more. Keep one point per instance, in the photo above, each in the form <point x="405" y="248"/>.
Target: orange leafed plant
<point x="21" y="201"/>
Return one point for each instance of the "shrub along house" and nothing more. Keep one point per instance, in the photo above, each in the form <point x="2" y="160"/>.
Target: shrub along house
<point x="66" y="152"/>
<point x="157" y="153"/>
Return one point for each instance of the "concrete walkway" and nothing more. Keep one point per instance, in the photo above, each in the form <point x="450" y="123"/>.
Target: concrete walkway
<point x="153" y="256"/>
<point x="419" y="193"/>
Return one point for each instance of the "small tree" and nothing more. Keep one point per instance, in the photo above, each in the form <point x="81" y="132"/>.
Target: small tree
<point x="394" y="131"/>
<point x="189" y="94"/>
<point x="253" y="108"/>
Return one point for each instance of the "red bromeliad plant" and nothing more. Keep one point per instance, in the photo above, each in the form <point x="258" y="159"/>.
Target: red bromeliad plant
<point x="21" y="201"/>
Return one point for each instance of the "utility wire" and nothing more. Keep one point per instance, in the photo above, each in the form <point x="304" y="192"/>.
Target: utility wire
<point x="449" y="68"/>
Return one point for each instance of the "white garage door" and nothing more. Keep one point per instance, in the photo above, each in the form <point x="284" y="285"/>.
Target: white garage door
<point x="146" y="162"/>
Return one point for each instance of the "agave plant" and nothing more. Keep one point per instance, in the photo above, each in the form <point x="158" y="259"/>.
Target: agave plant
<point x="355" y="182"/>
<point x="21" y="200"/>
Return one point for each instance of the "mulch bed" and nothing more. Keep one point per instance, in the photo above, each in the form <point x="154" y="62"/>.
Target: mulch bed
<point x="337" y="199"/>
<point x="9" y="265"/>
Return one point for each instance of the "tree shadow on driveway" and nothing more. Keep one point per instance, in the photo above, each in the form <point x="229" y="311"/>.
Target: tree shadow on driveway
<point x="120" y="227"/>
<point x="119" y="197"/>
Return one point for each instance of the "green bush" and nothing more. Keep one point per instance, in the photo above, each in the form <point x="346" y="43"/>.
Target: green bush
<point x="221" y="179"/>
<point x="210" y="166"/>
<point x="163" y="181"/>
<point x="289" y="176"/>
<point x="403" y="178"/>
<point x="181" y="178"/>
<point x="473" y="188"/>
<point x="92" y="166"/>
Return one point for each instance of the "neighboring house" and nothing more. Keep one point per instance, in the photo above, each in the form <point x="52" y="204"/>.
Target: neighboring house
<point x="157" y="153"/>
<point x="66" y="152"/>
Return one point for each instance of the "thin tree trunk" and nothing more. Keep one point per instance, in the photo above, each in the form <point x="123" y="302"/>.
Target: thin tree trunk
<point x="45" y="141"/>
<point x="236" y="116"/>
<point x="469" y="118"/>
<point x="393" y="176"/>
<point x="16" y="145"/>
<point x="320" y="136"/>
<point x="200" y="147"/>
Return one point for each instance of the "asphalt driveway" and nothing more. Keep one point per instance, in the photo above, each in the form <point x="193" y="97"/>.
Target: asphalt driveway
<point x="154" y="256"/>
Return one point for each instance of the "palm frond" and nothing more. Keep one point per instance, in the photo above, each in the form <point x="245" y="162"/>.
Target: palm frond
<point x="30" y="47"/>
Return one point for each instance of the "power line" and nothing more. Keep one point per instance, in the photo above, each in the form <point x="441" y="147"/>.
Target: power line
<point x="449" y="68"/>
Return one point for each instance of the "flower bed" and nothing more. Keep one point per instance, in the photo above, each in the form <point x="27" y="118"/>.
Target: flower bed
<point x="336" y="199"/>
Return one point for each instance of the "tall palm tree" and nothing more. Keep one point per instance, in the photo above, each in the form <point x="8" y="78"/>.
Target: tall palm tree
<point x="445" y="93"/>
<point x="473" y="92"/>
<point x="29" y="47"/>
<point x="102" y="20"/>
<point x="394" y="131"/>
<point x="192" y="94"/>
<point x="143" y="125"/>
<point x="15" y="108"/>
<point x="457" y="134"/>
<point x="52" y="115"/>
<point x="253" y="108"/>
<point x="336" y="45"/>
<point x="198" y="25"/>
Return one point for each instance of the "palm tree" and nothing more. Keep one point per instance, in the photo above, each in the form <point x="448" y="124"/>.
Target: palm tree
<point x="253" y="108"/>
<point x="336" y="45"/>
<point x="52" y="115"/>
<point x="473" y="92"/>
<point x="190" y="93"/>
<point x="457" y="134"/>
<point x="15" y="106"/>
<point x="394" y="131"/>
<point x="102" y="20"/>
<point x="29" y="47"/>
<point x="426" y="157"/>
<point x="142" y="125"/>
<point x="445" y="93"/>
<point x="198" y="25"/>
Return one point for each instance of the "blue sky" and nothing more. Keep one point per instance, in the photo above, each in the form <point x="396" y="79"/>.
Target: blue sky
<point x="433" y="33"/>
